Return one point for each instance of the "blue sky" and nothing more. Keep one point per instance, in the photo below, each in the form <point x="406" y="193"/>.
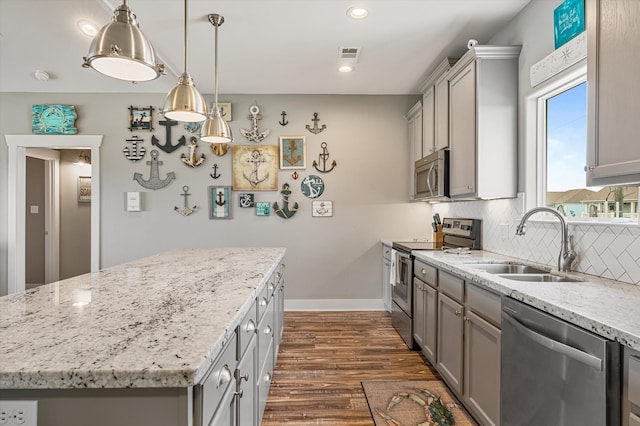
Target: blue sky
<point x="567" y="139"/>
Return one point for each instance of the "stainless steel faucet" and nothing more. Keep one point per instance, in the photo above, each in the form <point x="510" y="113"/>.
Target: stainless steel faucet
<point x="567" y="254"/>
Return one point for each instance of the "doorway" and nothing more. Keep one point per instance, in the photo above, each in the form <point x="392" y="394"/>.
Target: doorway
<point x="17" y="153"/>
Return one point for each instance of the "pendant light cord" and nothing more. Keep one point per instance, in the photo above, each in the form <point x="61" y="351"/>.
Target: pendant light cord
<point x="186" y="40"/>
<point x="215" y="58"/>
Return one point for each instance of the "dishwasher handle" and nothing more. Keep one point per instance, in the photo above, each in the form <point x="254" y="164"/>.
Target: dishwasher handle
<point x="553" y="345"/>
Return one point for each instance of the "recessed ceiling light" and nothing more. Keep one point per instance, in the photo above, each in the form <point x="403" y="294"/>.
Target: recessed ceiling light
<point x="357" y="12"/>
<point x="87" y="28"/>
<point x="345" y="68"/>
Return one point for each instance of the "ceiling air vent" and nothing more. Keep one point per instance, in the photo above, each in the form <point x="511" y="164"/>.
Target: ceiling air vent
<point x="347" y="58"/>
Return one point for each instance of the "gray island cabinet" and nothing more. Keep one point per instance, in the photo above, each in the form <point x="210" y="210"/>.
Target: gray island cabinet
<point x="184" y="338"/>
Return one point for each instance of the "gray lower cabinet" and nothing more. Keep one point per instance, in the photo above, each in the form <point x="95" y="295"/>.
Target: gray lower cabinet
<point x="450" y="341"/>
<point x="631" y="388"/>
<point x="235" y="391"/>
<point x="386" y="271"/>
<point x="457" y="326"/>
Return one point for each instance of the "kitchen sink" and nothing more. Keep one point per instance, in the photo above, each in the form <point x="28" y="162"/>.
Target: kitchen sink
<point x="539" y="278"/>
<point x="507" y="268"/>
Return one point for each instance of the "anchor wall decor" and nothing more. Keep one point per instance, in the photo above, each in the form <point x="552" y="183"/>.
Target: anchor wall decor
<point x="323" y="158"/>
<point x="219" y="202"/>
<point x="135" y="153"/>
<point x="293" y="152"/>
<point x="255" y="168"/>
<point x="284" y="211"/>
<point x="312" y="186"/>
<point x="246" y="200"/>
<point x="154" y="182"/>
<point x="192" y="159"/>
<point x="254" y="135"/>
<point x="186" y="210"/>
<point x="315" y="129"/>
<point x="167" y="146"/>
<point x="283" y="122"/>
<point x="215" y="173"/>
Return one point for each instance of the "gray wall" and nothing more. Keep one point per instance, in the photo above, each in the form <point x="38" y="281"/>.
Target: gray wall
<point x="75" y="218"/>
<point x="34" y="222"/>
<point x="328" y="258"/>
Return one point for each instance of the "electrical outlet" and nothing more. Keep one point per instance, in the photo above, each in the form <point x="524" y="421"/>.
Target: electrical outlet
<point x="19" y="413"/>
<point x="504" y="231"/>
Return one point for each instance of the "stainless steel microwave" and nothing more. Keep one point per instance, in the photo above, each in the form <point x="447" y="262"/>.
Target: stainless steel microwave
<point x="432" y="176"/>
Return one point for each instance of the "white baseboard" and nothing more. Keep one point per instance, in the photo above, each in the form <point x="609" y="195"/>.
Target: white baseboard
<point x="333" y="305"/>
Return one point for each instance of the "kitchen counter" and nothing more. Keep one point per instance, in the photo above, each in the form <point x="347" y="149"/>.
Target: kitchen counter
<point x="606" y="307"/>
<point x="154" y="322"/>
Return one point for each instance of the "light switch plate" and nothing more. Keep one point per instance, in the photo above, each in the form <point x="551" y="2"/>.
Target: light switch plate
<point x="34" y="209"/>
<point x="133" y="201"/>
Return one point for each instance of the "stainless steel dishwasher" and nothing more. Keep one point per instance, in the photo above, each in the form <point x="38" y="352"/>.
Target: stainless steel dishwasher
<point x="554" y="373"/>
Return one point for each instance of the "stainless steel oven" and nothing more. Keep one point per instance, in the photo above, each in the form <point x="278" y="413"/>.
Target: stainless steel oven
<point x="459" y="235"/>
<point x="432" y="176"/>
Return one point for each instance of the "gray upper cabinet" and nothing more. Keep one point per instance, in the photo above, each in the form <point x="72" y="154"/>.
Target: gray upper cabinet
<point x="414" y="129"/>
<point x="483" y="129"/>
<point x="435" y="108"/>
<point x="613" y="149"/>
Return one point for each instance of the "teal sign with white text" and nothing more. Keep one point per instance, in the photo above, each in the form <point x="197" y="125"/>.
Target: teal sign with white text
<point x="568" y="21"/>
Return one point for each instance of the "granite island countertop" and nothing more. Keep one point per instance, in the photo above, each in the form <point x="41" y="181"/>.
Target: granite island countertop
<point x="159" y="321"/>
<point x="605" y="307"/>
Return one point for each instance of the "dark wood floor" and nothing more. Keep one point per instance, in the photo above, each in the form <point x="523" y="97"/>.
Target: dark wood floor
<point x="323" y="358"/>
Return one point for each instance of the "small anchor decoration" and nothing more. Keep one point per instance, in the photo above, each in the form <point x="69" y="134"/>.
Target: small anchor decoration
<point x="323" y="158"/>
<point x="283" y="122"/>
<point x="256" y="159"/>
<point x="284" y="211"/>
<point x="168" y="147"/>
<point x="135" y="153"/>
<point x="154" y="182"/>
<point x="295" y="175"/>
<point x="254" y="135"/>
<point x="215" y="173"/>
<point x="186" y="210"/>
<point x="315" y="129"/>
<point x="192" y="159"/>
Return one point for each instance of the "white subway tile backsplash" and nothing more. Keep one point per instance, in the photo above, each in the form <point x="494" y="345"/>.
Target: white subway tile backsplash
<point x="605" y="250"/>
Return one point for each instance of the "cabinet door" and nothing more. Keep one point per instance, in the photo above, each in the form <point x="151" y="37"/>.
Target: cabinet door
<point x="225" y="416"/>
<point x="431" y="324"/>
<point x="386" y="284"/>
<point x="418" y="313"/>
<point x="414" y="123"/>
<point x="482" y="368"/>
<point x="462" y="132"/>
<point x="428" y="122"/>
<point x="613" y="151"/>
<point x="450" y="331"/>
<point x="246" y="401"/>
<point x="441" y="120"/>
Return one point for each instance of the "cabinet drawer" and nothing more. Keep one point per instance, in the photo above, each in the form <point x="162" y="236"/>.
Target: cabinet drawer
<point x="271" y="285"/>
<point x="265" y="332"/>
<point x="484" y="303"/>
<point x="633" y="379"/>
<point x="220" y="377"/>
<point x="451" y="285"/>
<point x="247" y="329"/>
<point x="280" y="274"/>
<point x="264" y="382"/>
<point x="263" y="301"/>
<point x="425" y="272"/>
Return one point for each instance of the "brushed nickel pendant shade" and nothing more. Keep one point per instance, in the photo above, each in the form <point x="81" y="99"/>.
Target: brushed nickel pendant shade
<point x="120" y="49"/>
<point x="184" y="102"/>
<point x="216" y="129"/>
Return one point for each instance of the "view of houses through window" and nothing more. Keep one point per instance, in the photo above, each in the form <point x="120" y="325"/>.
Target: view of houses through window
<point x="566" y="123"/>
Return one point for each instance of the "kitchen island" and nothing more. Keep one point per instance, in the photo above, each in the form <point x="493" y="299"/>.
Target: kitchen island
<point x="137" y="343"/>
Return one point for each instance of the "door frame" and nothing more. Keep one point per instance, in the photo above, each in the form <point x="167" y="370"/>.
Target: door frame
<point x="16" y="208"/>
<point x="51" y="160"/>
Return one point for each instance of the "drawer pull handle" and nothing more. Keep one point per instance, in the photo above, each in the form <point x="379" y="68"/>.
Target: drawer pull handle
<point x="239" y="393"/>
<point x="263" y="302"/>
<point x="267" y="330"/>
<point x="271" y="286"/>
<point x="466" y="319"/>
<point x="423" y="271"/>
<point x="250" y="327"/>
<point x="267" y="378"/>
<point x="458" y="313"/>
<point x="224" y="377"/>
<point x="245" y="377"/>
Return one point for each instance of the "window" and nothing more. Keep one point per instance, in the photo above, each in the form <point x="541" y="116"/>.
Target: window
<point x="562" y="115"/>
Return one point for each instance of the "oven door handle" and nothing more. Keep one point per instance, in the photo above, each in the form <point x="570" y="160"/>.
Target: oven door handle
<point x="553" y="345"/>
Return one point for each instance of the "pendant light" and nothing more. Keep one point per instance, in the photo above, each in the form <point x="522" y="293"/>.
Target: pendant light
<point x="121" y="51"/>
<point x="184" y="102"/>
<point x="215" y="129"/>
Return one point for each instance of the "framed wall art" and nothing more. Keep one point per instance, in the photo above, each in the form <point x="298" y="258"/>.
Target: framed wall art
<point x="219" y="202"/>
<point x="246" y="200"/>
<point x="141" y="118"/>
<point x="54" y="119"/>
<point x="568" y="21"/>
<point x="293" y="152"/>
<point x="255" y="168"/>
<point x="225" y="110"/>
<point x="322" y="208"/>
<point x="263" y="208"/>
<point x="84" y="189"/>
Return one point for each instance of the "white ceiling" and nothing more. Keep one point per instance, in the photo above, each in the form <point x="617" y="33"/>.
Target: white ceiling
<point x="265" y="46"/>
